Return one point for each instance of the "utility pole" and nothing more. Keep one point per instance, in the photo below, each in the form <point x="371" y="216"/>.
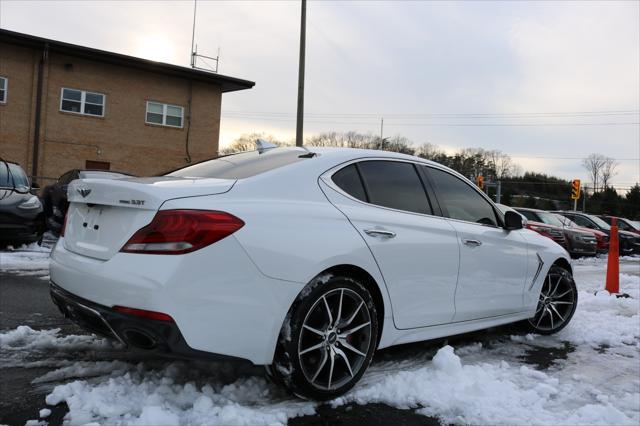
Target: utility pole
<point x="381" y="127"/>
<point x="300" y="114"/>
<point x="193" y="35"/>
<point x="584" y="199"/>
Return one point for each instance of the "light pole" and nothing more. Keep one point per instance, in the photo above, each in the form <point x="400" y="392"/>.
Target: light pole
<point x="300" y="114"/>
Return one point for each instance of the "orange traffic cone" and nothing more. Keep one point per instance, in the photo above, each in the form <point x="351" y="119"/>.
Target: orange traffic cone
<point x="613" y="262"/>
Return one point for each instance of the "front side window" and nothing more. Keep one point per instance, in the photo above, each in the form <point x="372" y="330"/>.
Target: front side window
<point x="82" y="102"/>
<point x="581" y="221"/>
<point x="164" y="114"/>
<point x="394" y="184"/>
<point x="460" y="200"/>
<point x="3" y="89"/>
<point x="529" y="215"/>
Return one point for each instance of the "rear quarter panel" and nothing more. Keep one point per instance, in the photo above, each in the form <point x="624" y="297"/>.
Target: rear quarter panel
<point x="291" y="230"/>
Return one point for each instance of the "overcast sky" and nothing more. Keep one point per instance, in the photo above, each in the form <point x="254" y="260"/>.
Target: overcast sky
<point x="541" y="81"/>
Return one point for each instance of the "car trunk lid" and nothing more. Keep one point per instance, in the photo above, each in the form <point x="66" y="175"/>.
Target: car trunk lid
<point x="104" y="213"/>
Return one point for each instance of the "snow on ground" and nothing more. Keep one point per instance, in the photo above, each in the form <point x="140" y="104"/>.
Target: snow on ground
<point x="592" y="375"/>
<point x="598" y="383"/>
<point x="29" y="259"/>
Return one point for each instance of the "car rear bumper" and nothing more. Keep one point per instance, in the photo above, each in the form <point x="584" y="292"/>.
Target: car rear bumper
<point x="161" y="337"/>
<point x="220" y="303"/>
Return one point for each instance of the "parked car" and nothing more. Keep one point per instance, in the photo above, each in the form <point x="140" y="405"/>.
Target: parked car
<point x="629" y="242"/>
<point x="54" y="197"/>
<point x="21" y="218"/>
<point x="553" y="232"/>
<point x="305" y="262"/>
<point x="577" y="243"/>
<point x="623" y="224"/>
<point x="602" y="239"/>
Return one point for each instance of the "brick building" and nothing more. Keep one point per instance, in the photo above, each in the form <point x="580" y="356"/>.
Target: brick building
<point x="64" y="106"/>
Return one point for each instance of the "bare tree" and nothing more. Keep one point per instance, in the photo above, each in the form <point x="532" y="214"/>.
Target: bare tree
<point x="429" y="151"/>
<point x="593" y="164"/>
<point x="500" y="162"/>
<point x="247" y="142"/>
<point x="608" y="171"/>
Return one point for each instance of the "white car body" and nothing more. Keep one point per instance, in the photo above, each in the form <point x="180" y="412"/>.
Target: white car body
<point x="231" y="297"/>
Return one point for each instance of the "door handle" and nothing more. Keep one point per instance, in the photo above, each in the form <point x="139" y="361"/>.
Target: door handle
<point x="379" y="233"/>
<point x="472" y="243"/>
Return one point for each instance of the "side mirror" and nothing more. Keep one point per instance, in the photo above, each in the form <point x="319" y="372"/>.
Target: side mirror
<point x="512" y="221"/>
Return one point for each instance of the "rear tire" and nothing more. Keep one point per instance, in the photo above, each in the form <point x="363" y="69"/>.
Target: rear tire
<point x="557" y="303"/>
<point x="327" y="340"/>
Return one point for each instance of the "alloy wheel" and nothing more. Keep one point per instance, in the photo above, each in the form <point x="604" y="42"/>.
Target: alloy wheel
<point x="334" y="339"/>
<point x="556" y="303"/>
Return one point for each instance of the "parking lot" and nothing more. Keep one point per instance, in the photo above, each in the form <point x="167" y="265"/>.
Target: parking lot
<point x="586" y="374"/>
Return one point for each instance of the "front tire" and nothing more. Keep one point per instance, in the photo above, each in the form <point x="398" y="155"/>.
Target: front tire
<point x="327" y="340"/>
<point x="557" y="303"/>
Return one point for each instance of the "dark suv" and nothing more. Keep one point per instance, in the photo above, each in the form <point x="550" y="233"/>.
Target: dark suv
<point x="629" y="243"/>
<point x="21" y="218"/>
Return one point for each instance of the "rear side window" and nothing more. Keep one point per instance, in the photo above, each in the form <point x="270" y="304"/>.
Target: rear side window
<point x="348" y="179"/>
<point x="240" y="166"/>
<point x="395" y="185"/>
<point x="461" y="200"/>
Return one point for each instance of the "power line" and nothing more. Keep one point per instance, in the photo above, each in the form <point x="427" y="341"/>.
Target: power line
<point x="350" y="123"/>
<point x="566" y="158"/>
<point x="448" y="115"/>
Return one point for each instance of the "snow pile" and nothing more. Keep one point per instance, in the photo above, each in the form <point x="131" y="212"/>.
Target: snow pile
<point x="84" y="369"/>
<point x="24" y="338"/>
<point x="496" y="393"/>
<point x="157" y="397"/>
<point x="26" y="258"/>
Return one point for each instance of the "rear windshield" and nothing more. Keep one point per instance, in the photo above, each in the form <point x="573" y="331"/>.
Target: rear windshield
<point x="13" y="176"/>
<point x="101" y="175"/>
<point x="240" y="166"/>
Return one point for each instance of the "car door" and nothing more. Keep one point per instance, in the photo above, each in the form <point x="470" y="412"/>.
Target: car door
<point x="493" y="261"/>
<point x="416" y="251"/>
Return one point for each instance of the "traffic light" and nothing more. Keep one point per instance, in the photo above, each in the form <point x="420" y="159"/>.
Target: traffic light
<point x="480" y="181"/>
<point x="575" y="189"/>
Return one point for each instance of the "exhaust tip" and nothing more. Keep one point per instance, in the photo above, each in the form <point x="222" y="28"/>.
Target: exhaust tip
<point x="139" y="339"/>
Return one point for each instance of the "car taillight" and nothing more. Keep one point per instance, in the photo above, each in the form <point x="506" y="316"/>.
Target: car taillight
<point x="158" y="316"/>
<point x="182" y="231"/>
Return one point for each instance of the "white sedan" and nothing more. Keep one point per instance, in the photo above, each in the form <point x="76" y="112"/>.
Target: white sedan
<point x="303" y="261"/>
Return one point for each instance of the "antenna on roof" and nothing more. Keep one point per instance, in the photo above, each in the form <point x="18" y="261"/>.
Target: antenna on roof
<point x="263" y="145"/>
<point x="194" y="49"/>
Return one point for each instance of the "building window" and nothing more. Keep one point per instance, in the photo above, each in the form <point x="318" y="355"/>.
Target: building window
<point x="97" y="165"/>
<point x="4" y="83"/>
<point x="164" y="114"/>
<point x="82" y="102"/>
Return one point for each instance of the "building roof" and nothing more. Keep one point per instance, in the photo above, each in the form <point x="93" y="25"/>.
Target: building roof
<point x="228" y="84"/>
